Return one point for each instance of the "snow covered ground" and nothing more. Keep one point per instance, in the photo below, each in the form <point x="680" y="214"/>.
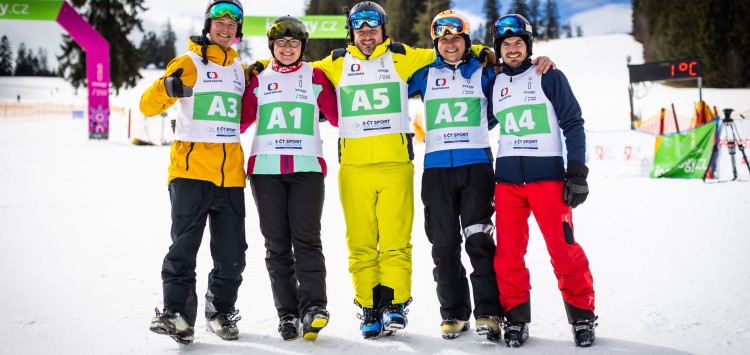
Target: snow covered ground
<point x="84" y="226"/>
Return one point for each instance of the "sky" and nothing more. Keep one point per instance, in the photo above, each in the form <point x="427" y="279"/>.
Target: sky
<point x="84" y="226"/>
<point x="594" y="16"/>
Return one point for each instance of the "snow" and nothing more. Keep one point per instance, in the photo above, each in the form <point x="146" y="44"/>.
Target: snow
<point x="84" y="226"/>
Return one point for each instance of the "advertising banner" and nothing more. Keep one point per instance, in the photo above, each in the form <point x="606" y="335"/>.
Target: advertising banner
<point x="319" y="26"/>
<point x="620" y="153"/>
<point x="684" y="155"/>
<point x="40" y="10"/>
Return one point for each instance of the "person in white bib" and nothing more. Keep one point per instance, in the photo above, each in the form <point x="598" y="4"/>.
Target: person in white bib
<point x="286" y="171"/>
<point x="531" y="111"/>
<point x="206" y="175"/>
<point x="457" y="183"/>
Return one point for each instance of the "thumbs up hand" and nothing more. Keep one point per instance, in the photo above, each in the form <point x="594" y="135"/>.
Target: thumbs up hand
<point x="174" y="86"/>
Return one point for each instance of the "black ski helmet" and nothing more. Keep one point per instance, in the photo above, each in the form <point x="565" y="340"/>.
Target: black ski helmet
<point x="512" y="25"/>
<point x="366" y="6"/>
<point x="288" y="26"/>
<point x="207" y="16"/>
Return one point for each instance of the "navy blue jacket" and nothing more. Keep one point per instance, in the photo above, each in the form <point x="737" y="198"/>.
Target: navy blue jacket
<point x="453" y="157"/>
<point x="523" y="169"/>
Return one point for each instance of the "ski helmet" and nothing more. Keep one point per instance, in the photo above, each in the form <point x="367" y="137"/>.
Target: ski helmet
<point x="366" y="13"/>
<point x="450" y="22"/>
<point x="287" y="26"/>
<point x="509" y="26"/>
<point x="219" y="8"/>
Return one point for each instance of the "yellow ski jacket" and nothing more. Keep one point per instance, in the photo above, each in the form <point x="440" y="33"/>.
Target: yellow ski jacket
<point x="220" y="163"/>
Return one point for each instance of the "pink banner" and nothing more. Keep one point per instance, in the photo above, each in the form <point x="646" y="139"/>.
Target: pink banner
<point x="97" y="68"/>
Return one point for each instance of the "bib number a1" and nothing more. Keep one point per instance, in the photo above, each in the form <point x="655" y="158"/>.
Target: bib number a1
<point x="455" y="112"/>
<point x="217" y="106"/>
<point x="372" y="99"/>
<point x="524" y="120"/>
<point x="286" y="117"/>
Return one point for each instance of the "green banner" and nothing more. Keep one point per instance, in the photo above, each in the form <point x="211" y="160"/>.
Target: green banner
<point x="685" y="155"/>
<point x="217" y="106"/>
<point x="42" y="10"/>
<point x="286" y="117"/>
<point x="319" y="26"/>
<point x="370" y="99"/>
<point x="524" y="120"/>
<point x="456" y="112"/>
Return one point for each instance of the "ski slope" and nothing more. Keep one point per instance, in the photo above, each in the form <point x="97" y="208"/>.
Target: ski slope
<point x="84" y="226"/>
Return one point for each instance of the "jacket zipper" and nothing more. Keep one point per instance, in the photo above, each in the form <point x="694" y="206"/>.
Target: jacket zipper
<point x="187" y="157"/>
<point x="223" y="161"/>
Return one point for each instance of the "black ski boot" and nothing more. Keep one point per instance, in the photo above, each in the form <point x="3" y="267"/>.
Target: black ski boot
<point x="583" y="331"/>
<point x="173" y="324"/>
<point x="225" y="325"/>
<point x="289" y="327"/>
<point x="314" y="320"/>
<point x="515" y="334"/>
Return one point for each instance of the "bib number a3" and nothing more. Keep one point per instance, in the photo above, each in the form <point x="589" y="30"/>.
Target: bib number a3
<point x="372" y="99"/>
<point x="217" y="106"/>
<point x="524" y="120"/>
<point x="455" y="112"/>
<point x="286" y="117"/>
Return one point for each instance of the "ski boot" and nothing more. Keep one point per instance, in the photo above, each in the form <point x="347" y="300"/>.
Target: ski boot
<point x="452" y="328"/>
<point x="515" y="334"/>
<point x="370" y="326"/>
<point x="314" y="320"/>
<point x="225" y="325"/>
<point x="583" y="331"/>
<point x="489" y="326"/>
<point x="289" y="327"/>
<point x="173" y="324"/>
<point x="394" y="317"/>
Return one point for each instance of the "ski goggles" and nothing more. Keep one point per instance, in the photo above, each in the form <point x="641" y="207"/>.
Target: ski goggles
<point x="222" y="9"/>
<point x="369" y="18"/>
<point x="446" y="25"/>
<point x="510" y="25"/>
<point x="287" y="28"/>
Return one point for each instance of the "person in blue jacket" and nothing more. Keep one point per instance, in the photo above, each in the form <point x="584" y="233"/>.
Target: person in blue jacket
<point x="531" y="177"/>
<point x="457" y="183"/>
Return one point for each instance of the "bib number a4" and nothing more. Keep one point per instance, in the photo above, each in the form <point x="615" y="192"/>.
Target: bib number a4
<point x="524" y="120"/>
<point x="217" y="106"/>
<point x="286" y="117"/>
<point x="373" y="99"/>
<point x="456" y="112"/>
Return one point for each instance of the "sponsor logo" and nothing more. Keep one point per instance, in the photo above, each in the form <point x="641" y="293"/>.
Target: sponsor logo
<point x="226" y="132"/>
<point x="355" y="67"/>
<point x="212" y="75"/>
<point x="273" y="86"/>
<point x="504" y="91"/>
<point x="440" y="82"/>
<point x="456" y="137"/>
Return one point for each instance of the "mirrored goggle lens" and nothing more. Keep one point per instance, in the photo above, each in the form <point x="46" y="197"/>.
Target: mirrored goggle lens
<point x="511" y="24"/>
<point x="286" y="28"/>
<point x="444" y="26"/>
<point x="219" y="10"/>
<point x="359" y="19"/>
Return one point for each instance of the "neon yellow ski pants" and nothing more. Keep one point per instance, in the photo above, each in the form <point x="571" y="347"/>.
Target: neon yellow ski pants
<point x="378" y="203"/>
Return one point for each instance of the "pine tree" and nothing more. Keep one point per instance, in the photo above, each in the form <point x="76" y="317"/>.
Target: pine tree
<point x="167" y="49"/>
<point x="491" y="15"/>
<point x="401" y="15"/>
<point x="113" y="19"/>
<point x="552" y="20"/>
<point x="567" y="31"/>
<point x="24" y="65"/>
<point x="535" y="17"/>
<point x="149" y="49"/>
<point x="579" y="31"/>
<point x="317" y="49"/>
<point x="6" y="57"/>
<point x="520" y="7"/>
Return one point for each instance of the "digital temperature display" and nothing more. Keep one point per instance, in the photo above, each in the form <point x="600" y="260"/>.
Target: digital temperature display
<point x="670" y="70"/>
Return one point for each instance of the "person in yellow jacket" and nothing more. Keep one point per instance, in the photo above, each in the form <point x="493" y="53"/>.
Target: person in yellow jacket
<point x="376" y="176"/>
<point x="206" y="175"/>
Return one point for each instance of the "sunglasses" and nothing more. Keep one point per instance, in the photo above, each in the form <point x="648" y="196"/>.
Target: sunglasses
<point x="222" y="9"/>
<point x="281" y="42"/>
<point x="512" y="24"/>
<point x="369" y="18"/>
<point x="447" y="25"/>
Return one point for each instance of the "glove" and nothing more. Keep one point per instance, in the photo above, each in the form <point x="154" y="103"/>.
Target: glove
<point x="174" y="85"/>
<point x="487" y="57"/>
<point x="253" y="69"/>
<point x="576" y="189"/>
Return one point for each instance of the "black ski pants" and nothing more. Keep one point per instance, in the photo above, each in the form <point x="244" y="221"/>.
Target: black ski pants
<point x="289" y="209"/>
<point x="194" y="202"/>
<point x="458" y="204"/>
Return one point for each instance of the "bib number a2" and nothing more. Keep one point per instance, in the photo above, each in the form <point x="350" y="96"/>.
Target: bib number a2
<point x="456" y="112"/>
<point x="524" y="120"/>
<point x="373" y="99"/>
<point x="217" y="106"/>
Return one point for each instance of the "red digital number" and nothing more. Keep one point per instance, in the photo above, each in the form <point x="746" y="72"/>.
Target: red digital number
<point x="684" y="67"/>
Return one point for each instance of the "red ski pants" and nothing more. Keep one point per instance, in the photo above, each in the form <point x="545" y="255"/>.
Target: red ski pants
<point x="513" y="205"/>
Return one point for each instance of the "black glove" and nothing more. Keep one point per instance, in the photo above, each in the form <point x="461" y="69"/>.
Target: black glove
<point x="174" y="85"/>
<point x="487" y="57"/>
<point x="251" y="70"/>
<point x="576" y="189"/>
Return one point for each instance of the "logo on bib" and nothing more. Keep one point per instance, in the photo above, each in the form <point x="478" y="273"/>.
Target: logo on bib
<point x="212" y="75"/>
